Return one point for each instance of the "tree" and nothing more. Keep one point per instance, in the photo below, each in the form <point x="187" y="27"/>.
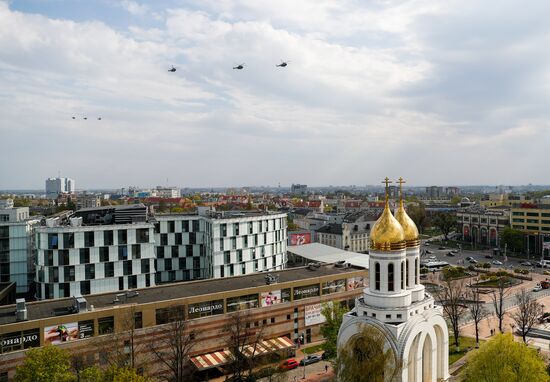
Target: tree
<point x="367" y="358"/>
<point x="452" y="297"/>
<point x="498" y="295"/>
<point x="445" y="222"/>
<point x="477" y="310"/>
<point x="503" y="359"/>
<point x="172" y="348"/>
<point x="513" y="239"/>
<point x="418" y="215"/>
<point x="45" y="364"/>
<point x="333" y="313"/>
<point x="122" y="374"/>
<point x="243" y="338"/>
<point x="528" y="312"/>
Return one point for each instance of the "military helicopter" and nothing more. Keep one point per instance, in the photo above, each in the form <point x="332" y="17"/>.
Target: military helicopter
<point x="99" y="118"/>
<point x="283" y="64"/>
<point x="239" y="67"/>
<point x="74" y="117"/>
<point x="172" y="69"/>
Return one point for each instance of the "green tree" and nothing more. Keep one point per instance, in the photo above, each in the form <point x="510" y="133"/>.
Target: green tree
<point x="367" y="358"/>
<point x="445" y="221"/>
<point x="418" y="215"/>
<point x="122" y="374"/>
<point x="503" y="359"/>
<point x="46" y="364"/>
<point x="513" y="239"/>
<point x="333" y="314"/>
<point x="291" y="226"/>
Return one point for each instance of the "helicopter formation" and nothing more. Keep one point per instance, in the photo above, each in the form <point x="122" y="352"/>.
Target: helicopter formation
<point x="283" y="64"/>
<point x="86" y="118"/>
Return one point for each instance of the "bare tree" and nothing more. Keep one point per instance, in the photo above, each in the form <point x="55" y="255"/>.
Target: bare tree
<point x="243" y="338"/>
<point x="498" y="297"/>
<point x="366" y="358"/>
<point x="452" y="296"/>
<point x="528" y="312"/>
<point x="172" y="347"/>
<point x="477" y="310"/>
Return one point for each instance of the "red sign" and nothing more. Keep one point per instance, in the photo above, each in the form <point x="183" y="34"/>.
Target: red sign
<point x="300" y="238"/>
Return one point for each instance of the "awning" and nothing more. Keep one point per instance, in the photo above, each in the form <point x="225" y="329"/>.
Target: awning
<point x="268" y="346"/>
<point x="210" y="360"/>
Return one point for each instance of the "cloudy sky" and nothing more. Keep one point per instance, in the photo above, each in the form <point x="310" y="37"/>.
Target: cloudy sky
<point x="439" y="92"/>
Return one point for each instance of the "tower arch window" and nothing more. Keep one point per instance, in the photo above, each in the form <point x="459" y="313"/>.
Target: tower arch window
<point x="390" y="277"/>
<point x="377" y="276"/>
<point x="416" y="271"/>
<point x="408" y="272"/>
<point x="402" y="275"/>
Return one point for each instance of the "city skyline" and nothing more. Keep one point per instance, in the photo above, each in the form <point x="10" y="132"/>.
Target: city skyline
<point x="452" y="93"/>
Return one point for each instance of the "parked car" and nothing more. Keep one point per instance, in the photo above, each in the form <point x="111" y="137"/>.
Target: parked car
<point x="309" y="359"/>
<point x="489" y="256"/>
<point x="450" y="254"/>
<point x="526" y="263"/>
<point x="538" y="264"/>
<point x="545" y="284"/>
<point x="289" y="364"/>
<point x="427" y="243"/>
<point x="496" y="262"/>
<point x="442" y="247"/>
<point x="472" y="261"/>
<point x="537" y="288"/>
<point x="429" y="252"/>
<point x="469" y="258"/>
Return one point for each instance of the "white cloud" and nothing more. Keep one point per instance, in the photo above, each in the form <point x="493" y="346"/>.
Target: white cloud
<point x="133" y="7"/>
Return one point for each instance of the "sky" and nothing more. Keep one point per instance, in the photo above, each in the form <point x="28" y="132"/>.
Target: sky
<point x="438" y="92"/>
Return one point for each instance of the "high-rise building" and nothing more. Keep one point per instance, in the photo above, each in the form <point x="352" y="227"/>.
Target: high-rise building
<point x="434" y="192"/>
<point x="213" y="245"/>
<point x="17" y="249"/>
<point x="56" y="186"/>
<point x="298" y="189"/>
<point x="96" y="250"/>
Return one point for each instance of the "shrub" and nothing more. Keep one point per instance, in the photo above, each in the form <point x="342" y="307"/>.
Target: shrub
<point x="486" y="265"/>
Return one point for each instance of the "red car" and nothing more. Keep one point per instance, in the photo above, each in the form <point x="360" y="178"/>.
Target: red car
<point x="289" y="364"/>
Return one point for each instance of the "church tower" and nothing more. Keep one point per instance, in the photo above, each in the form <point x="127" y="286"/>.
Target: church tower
<point x="396" y="304"/>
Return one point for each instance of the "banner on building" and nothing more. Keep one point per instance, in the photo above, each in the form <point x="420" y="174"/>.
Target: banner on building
<point x="57" y="334"/>
<point x="272" y="297"/>
<point x="313" y="315"/>
<point x="300" y="238"/>
<point x="546" y="245"/>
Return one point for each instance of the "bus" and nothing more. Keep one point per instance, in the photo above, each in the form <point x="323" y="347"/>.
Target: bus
<point x="434" y="265"/>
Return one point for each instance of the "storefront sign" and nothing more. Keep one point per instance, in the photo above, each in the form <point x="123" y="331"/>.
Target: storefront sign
<point x="306" y="291"/>
<point x="356" y="282"/>
<point x="313" y="315"/>
<point x="207" y="308"/>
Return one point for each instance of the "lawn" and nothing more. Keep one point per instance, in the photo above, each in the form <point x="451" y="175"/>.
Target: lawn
<point x="312" y="349"/>
<point x="466" y="344"/>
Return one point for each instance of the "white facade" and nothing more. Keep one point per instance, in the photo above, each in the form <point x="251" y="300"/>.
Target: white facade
<point x="192" y="246"/>
<point x="167" y="192"/>
<point x="396" y="304"/>
<point x="80" y="260"/>
<point x="56" y="186"/>
<point x="17" y="250"/>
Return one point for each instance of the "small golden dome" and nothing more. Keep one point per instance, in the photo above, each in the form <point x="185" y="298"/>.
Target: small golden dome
<point x="409" y="228"/>
<point x="387" y="234"/>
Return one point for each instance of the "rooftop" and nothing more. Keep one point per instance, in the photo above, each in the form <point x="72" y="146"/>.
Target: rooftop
<point x="59" y="307"/>
<point x="327" y="254"/>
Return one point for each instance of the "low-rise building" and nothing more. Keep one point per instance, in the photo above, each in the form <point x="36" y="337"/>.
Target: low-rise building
<point x="286" y="306"/>
<point x="482" y="225"/>
<point x="533" y="219"/>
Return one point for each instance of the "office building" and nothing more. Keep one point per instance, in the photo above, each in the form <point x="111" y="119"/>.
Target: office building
<point x="533" y="219"/>
<point x="56" y="186"/>
<point x="17" y="249"/>
<point x="481" y="225"/>
<point x="434" y="192"/>
<point x="96" y="250"/>
<point x="219" y="244"/>
<point x="298" y="189"/>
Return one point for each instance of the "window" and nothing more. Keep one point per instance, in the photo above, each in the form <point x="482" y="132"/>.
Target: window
<point x="163" y="239"/>
<point x="123" y="252"/>
<point x="89" y="271"/>
<point x="127" y="267"/>
<point x="390" y="277"/>
<point x="169" y="314"/>
<point x="239" y="255"/>
<point x="242" y="302"/>
<point x="171" y="226"/>
<point x="168" y="264"/>
<point x="105" y="325"/>
<point x="84" y="255"/>
<point x="160" y="252"/>
<point x="63" y="257"/>
<point x="104" y="253"/>
<point x="196" y="262"/>
<point x="136" y="251"/>
<point x="402" y="275"/>
<point x="109" y="269"/>
<point x="185" y="226"/>
<point x="145" y="266"/>
<point x="132" y="282"/>
<point x="179" y="238"/>
<point x="227" y="257"/>
<point x="377" y="276"/>
<point x="138" y="320"/>
<point x="196" y="226"/>
<point x="142" y="235"/>
<point x="182" y="263"/>
<point x="85" y="287"/>
<point x="89" y="239"/>
<point x="175" y="251"/>
<point x="68" y="240"/>
<point x="122" y="237"/>
<point x="108" y="238"/>
<point x="68" y="274"/>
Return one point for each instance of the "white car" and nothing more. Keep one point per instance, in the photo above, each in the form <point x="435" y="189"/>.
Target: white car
<point x="496" y="262"/>
<point x="537" y="288"/>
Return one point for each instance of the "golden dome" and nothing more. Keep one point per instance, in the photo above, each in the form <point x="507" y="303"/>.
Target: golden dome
<point x="409" y="228"/>
<point x="387" y="234"/>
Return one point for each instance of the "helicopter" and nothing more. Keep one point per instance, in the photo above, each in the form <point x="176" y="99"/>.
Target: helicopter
<point x="172" y="69"/>
<point x="74" y="117"/>
<point x="99" y="118"/>
<point x="283" y="64"/>
<point x="239" y="67"/>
